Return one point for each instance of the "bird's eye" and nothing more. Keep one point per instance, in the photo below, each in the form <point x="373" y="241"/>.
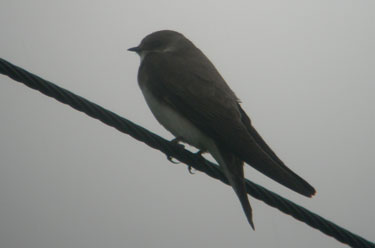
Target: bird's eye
<point x="153" y="45"/>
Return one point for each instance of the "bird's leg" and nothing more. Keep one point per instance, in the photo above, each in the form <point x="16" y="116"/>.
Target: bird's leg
<point x="175" y="141"/>
<point x="200" y="157"/>
<point x="199" y="153"/>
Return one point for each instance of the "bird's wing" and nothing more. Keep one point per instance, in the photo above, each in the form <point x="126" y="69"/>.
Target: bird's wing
<point x="215" y="110"/>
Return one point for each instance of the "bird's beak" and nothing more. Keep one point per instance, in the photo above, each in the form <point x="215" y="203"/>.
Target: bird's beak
<point x="134" y="49"/>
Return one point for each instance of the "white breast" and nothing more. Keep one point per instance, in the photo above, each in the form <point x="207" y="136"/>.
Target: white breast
<point x="178" y="125"/>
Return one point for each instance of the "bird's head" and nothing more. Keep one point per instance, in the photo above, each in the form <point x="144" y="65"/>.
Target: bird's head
<point x="160" y="42"/>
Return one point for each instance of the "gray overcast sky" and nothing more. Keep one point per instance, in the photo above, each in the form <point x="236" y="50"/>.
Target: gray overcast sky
<point x="304" y="71"/>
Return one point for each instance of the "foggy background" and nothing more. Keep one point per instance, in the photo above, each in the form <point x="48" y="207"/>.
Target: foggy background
<point x="304" y="71"/>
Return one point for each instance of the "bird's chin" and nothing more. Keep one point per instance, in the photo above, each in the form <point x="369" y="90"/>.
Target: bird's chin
<point x="143" y="55"/>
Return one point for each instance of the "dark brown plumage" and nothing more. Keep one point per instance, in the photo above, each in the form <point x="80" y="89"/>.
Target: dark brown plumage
<point x="182" y="78"/>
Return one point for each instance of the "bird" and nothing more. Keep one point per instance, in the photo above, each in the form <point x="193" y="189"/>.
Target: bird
<point x="188" y="97"/>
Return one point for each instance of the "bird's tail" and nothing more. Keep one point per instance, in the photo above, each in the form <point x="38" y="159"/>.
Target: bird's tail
<point x="233" y="170"/>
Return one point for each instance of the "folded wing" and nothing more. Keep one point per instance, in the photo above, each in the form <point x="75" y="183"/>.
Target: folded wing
<point x="215" y="110"/>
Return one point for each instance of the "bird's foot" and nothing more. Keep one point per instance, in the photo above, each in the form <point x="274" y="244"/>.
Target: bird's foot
<point x="175" y="141"/>
<point x="170" y="158"/>
<point x="190" y="170"/>
<point x="199" y="153"/>
<point x="200" y="157"/>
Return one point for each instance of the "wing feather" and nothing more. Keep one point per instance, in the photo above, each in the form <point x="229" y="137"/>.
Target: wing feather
<point x="193" y="87"/>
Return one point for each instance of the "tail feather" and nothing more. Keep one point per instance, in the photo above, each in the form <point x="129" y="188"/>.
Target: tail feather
<point x="240" y="189"/>
<point x="233" y="170"/>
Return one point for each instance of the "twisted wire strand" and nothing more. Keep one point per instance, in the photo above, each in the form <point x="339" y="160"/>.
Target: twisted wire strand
<point x="171" y="149"/>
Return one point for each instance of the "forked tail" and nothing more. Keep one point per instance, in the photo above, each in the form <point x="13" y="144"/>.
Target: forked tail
<point x="233" y="170"/>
